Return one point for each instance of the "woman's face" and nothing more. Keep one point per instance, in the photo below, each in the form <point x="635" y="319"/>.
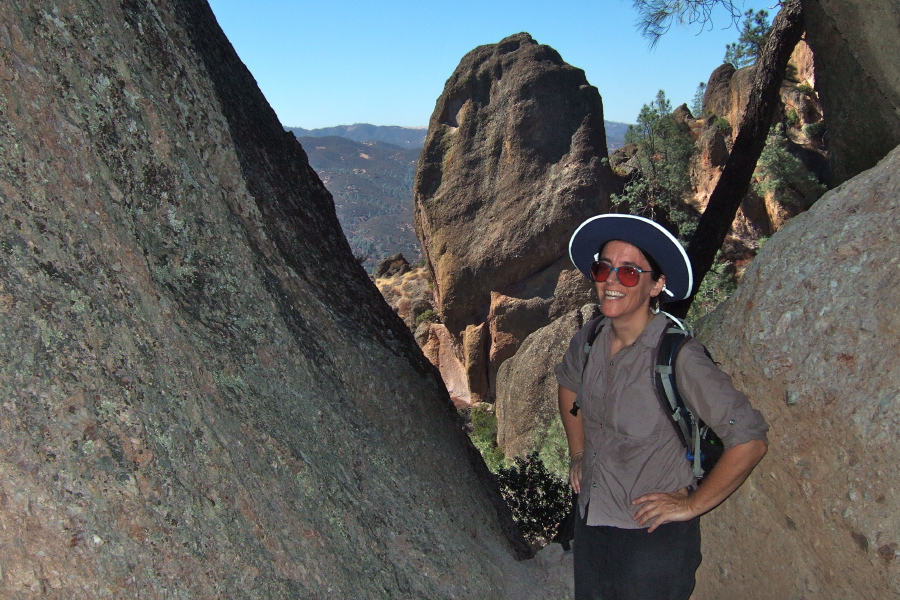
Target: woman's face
<point x="616" y="300"/>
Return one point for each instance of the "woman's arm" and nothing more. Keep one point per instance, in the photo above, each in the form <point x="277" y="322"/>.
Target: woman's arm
<point x="574" y="427"/>
<point x="729" y="473"/>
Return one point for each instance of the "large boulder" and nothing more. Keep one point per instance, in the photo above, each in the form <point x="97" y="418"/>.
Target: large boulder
<point x="812" y="337"/>
<point x="202" y="394"/>
<point x="526" y="408"/>
<point x="513" y="162"/>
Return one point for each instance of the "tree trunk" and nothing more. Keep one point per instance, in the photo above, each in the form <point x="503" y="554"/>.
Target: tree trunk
<point x="754" y="127"/>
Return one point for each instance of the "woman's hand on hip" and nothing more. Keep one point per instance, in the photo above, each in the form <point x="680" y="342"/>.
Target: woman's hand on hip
<point x="663" y="508"/>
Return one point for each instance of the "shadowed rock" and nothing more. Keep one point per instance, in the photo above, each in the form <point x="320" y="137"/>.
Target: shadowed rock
<point x="202" y="394"/>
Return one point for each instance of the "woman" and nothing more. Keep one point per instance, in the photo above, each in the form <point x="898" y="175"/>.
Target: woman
<point x="637" y="532"/>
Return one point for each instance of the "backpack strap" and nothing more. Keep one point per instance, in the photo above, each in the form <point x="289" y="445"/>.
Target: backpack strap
<point x="596" y="324"/>
<point x="687" y="428"/>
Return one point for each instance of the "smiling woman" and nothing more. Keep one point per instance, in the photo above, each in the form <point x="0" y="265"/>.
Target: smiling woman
<point x="628" y="464"/>
<point x="330" y="63"/>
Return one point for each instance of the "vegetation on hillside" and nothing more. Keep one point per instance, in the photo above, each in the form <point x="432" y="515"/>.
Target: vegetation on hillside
<point x="371" y="183"/>
<point x="659" y="180"/>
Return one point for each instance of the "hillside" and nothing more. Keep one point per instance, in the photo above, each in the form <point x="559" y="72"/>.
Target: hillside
<point x="405" y="137"/>
<point x="372" y="187"/>
<point x="414" y="137"/>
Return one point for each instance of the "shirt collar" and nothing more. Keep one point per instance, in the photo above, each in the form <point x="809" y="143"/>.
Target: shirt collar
<point x="653" y="330"/>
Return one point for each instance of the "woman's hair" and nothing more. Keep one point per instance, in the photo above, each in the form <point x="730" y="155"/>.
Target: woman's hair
<point x="654" y="266"/>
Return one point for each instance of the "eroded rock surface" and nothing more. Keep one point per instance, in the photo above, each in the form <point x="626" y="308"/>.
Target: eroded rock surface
<point x="811" y="336"/>
<point x="511" y="165"/>
<point x="202" y="394"/>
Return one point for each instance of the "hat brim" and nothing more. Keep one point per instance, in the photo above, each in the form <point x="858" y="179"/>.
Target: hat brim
<point x="647" y="235"/>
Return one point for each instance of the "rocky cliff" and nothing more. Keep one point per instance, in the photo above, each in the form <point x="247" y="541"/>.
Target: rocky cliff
<point x="856" y="43"/>
<point x="201" y="393"/>
<point x="512" y="163"/>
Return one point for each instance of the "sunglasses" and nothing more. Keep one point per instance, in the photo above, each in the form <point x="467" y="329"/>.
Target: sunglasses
<point x="627" y="275"/>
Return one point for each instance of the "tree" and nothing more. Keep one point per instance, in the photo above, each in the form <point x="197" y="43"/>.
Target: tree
<point x="754" y="33"/>
<point x="697" y="103"/>
<point x="752" y="131"/>
<point x="660" y="178"/>
<point x="656" y="18"/>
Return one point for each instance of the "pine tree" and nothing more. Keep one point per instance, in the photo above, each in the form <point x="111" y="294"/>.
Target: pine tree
<point x="754" y="33"/>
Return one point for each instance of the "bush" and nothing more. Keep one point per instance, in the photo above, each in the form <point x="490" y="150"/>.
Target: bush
<point x="722" y="125"/>
<point x="661" y="178"/>
<point x="539" y="500"/>
<point x="792" y="118"/>
<point x="429" y="315"/>
<point x="805" y="88"/>
<point x="782" y="173"/>
<point x="814" y="130"/>
<point x="716" y="287"/>
<point x="482" y="425"/>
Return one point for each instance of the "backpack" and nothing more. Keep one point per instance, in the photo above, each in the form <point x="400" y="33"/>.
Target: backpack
<point x="703" y="447"/>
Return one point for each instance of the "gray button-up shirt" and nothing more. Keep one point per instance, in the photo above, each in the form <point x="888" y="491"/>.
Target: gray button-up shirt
<point x="631" y="448"/>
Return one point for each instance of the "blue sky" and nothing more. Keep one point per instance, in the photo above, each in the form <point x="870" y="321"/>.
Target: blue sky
<point x="339" y="62"/>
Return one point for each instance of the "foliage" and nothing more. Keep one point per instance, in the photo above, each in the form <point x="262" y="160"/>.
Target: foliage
<point x="754" y="33"/>
<point x="722" y="125"/>
<point x="792" y="118"/>
<point x="538" y="500"/>
<point x="697" y="102"/>
<point x="482" y="425"/>
<point x="661" y="176"/>
<point x="805" y="88"/>
<point x="781" y="172"/>
<point x="429" y="315"/>
<point x="657" y="16"/>
<point x="716" y="287"/>
<point x="814" y="130"/>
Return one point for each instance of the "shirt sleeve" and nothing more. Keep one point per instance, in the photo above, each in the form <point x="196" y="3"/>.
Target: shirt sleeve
<point x="569" y="371"/>
<point x="709" y="393"/>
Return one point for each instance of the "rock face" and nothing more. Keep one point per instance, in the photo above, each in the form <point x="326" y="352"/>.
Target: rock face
<point x="818" y="353"/>
<point x="856" y="43"/>
<point x="511" y="165"/>
<point x="202" y="394"/>
<point x="526" y="387"/>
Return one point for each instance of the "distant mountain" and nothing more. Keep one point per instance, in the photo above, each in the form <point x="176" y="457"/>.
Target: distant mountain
<point x="371" y="183"/>
<point x="405" y="137"/>
<point x="414" y="137"/>
<point x="615" y="134"/>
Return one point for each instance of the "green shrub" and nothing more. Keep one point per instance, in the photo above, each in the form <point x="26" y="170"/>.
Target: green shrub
<point x="661" y="178"/>
<point x="716" y="287"/>
<point x="538" y="500"/>
<point x="781" y="172"/>
<point x="482" y="425"/>
<point x="814" y="130"/>
<point x="805" y="88"/>
<point x="792" y="118"/>
<point x="429" y="315"/>
<point x="722" y="125"/>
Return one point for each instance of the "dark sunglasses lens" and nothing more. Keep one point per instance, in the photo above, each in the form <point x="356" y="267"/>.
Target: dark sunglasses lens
<point x="600" y="271"/>
<point x="628" y="276"/>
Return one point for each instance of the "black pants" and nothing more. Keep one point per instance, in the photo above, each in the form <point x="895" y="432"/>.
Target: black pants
<point x="631" y="564"/>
